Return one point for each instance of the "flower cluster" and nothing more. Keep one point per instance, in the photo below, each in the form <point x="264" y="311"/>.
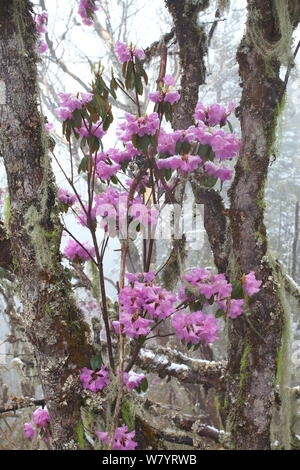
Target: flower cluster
<point x="95" y="129"/>
<point x="66" y="197"/>
<point x="214" y="287"/>
<point x="251" y="285"/>
<point x="40" y="24"/>
<point x="94" y="380"/>
<point x="86" y="10"/>
<point x="122" y="439"/>
<point x="69" y="102"/>
<point x="132" y="380"/>
<point x="183" y="163"/>
<point x="112" y="206"/>
<point x="140" y="126"/>
<point x="41" y="421"/>
<point x="140" y="299"/>
<point x="78" y="253"/>
<point x="105" y="170"/>
<point x="166" y="92"/>
<point x="126" y="53"/>
<point x="224" y="146"/>
<point x="213" y="115"/>
<point x="195" y="327"/>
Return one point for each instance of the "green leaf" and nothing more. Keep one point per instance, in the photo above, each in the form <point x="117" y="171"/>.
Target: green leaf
<point x="230" y="126"/>
<point x="219" y="313"/>
<point x="83" y="165"/>
<point x="185" y="148"/>
<point x="96" y="362"/>
<point x="128" y="415"/>
<point x="77" y="118"/>
<point x="144" y="385"/>
<point x="129" y="79"/>
<point x="237" y="290"/>
<point x="138" y="85"/>
<point x="178" y="147"/>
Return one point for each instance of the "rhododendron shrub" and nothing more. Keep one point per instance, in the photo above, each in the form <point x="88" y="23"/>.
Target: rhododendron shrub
<point x="126" y="188"/>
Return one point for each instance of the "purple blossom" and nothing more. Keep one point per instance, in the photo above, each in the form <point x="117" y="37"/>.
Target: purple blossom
<point x="105" y="171"/>
<point x="195" y="327"/>
<point x="66" y="197"/>
<point x="125" y="52"/>
<point x="76" y="252"/>
<point x="41" y="21"/>
<point x="41" y="417"/>
<point x="96" y="129"/>
<point x="42" y="46"/>
<point x="251" y="285"/>
<point x="169" y="80"/>
<point x="184" y="163"/>
<point x="217" y="171"/>
<point x="145" y="125"/>
<point x="236" y="308"/>
<point x="94" y="380"/>
<point x="86" y="10"/>
<point x="122" y="440"/>
<point x="132" y="325"/>
<point x="69" y="102"/>
<point x="132" y="380"/>
<point x="29" y="430"/>
<point x="134" y="278"/>
<point x="49" y="127"/>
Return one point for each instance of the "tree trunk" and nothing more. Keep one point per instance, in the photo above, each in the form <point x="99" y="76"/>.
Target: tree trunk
<point x="256" y="339"/>
<point x="51" y="319"/>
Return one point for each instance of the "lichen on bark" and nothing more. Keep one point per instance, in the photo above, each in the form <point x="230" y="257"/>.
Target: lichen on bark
<point x="52" y="321"/>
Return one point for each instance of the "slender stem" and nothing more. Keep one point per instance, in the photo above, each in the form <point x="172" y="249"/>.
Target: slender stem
<point x="103" y="298"/>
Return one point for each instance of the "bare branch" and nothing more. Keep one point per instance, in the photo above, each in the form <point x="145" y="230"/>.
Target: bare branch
<point x="169" y="363"/>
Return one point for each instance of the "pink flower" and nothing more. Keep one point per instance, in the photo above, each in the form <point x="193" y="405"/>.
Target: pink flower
<point x="216" y="171"/>
<point x="96" y="129"/>
<point x="145" y="125"/>
<point x="125" y="52"/>
<point x="76" y="252"/>
<point x="251" y="285"/>
<point x="169" y="80"/>
<point x="172" y="97"/>
<point x="195" y="327"/>
<point x="49" y="127"/>
<point x="122" y="439"/>
<point x="86" y="10"/>
<point x="40" y="22"/>
<point x="29" y="430"/>
<point x="132" y="325"/>
<point x="41" y="417"/>
<point x="132" y="380"/>
<point x="134" y="278"/>
<point x="216" y="114"/>
<point x="184" y="163"/>
<point x="66" y="197"/>
<point x="43" y="47"/>
<point x="236" y="308"/>
<point x="105" y="172"/>
<point x="63" y="113"/>
<point x="94" y="380"/>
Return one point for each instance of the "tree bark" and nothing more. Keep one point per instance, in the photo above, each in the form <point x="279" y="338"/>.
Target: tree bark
<point x="51" y="319"/>
<point x="256" y="339"/>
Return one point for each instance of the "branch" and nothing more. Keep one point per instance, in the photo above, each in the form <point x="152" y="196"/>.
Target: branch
<point x="154" y="49"/>
<point x="19" y="403"/>
<point x="169" y="363"/>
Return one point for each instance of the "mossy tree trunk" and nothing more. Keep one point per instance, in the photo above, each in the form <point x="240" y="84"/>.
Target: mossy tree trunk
<point x="255" y="341"/>
<point x="51" y="319"/>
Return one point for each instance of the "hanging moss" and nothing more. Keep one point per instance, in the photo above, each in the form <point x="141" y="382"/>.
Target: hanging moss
<point x="279" y="50"/>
